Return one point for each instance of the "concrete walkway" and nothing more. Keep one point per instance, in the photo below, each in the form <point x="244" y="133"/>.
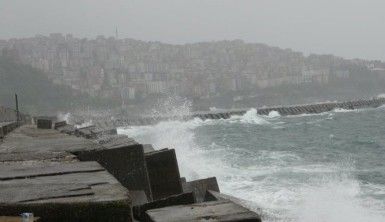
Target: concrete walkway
<point x="39" y="173"/>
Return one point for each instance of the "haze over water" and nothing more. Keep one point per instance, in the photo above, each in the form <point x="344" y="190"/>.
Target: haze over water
<point x="326" y="167"/>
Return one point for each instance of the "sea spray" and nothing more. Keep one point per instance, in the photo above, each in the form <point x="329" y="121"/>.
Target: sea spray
<point x="250" y="117"/>
<point x="274" y="114"/>
<point x="84" y="124"/>
<point x="341" y="110"/>
<point x="64" y="117"/>
<point x="294" y="174"/>
<point x="173" y="107"/>
<point x="172" y="134"/>
<point x="335" y="197"/>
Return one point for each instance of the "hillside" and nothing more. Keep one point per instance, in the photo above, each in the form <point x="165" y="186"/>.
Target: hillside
<point x="139" y="70"/>
<point x="37" y="94"/>
<point x="220" y="73"/>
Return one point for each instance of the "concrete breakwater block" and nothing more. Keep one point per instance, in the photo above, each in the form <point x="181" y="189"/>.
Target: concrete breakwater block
<point x="93" y="132"/>
<point x="138" y="197"/>
<point x="40" y="169"/>
<point x="67" y="129"/>
<point x="148" y="148"/>
<point x="283" y="110"/>
<point x="44" y="123"/>
<point x="85" y="132"/>
<point x="36" y="156"/>
<point x="217" y="196"/>
<point x="28" y="138"/>
<point x="289" y="111"/>
<point x="115" y="141"/>
<point x="59" y="124"/>
<point x="127" y="164"/>
<point x="97" y="132"/>
<point x="58" y="191"/>
<point x="163" y="172"/>
<point x="52" y="118"/>
<point x="7" y="127"/>
<point x="200" y="187"/>
<point x="263" y="111"/>
<point x="224" y="210"/>
<point x="139" y="212"/>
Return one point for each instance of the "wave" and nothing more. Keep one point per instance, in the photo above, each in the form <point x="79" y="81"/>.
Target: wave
<point x="64" y="117"/>
<point x="274" y="114"/>
<point x="309" y="115"/>
<point x="250" y="117"/>
<point x="172" y="134"/>
<point x="335" y="199"/>
<point x="85" y="124"/>
<point x="340" y="110"/>
<point x="279" y="182"/>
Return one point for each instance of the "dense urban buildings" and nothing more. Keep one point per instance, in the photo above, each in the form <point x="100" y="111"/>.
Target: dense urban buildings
<point x="132" y="70"/>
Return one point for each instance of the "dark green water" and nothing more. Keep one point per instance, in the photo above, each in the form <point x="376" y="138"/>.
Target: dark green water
<point x="327" y="167"/>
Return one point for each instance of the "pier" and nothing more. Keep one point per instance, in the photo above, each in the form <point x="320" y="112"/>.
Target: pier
<point x="63" y="173"/>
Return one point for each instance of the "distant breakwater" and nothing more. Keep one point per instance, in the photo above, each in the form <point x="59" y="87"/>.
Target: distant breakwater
<point x="281" y="110"/>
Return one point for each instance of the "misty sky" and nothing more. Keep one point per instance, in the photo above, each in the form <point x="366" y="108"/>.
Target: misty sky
<point x="349" y="28"/>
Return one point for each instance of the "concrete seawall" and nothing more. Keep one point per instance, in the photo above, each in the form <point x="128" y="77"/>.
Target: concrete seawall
<point x="93" y="174"/>
<point x="10" y="120"/>
<point x="282" y="110"/>
<point x="10" y="115"/>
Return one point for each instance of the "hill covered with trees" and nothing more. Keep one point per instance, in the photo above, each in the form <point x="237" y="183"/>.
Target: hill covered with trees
<point x="37" y="94"/>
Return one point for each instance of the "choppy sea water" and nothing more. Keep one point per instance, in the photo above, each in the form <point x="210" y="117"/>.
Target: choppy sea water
<point x="308" y="168"/>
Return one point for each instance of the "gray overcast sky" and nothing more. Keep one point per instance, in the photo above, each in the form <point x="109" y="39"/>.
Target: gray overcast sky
<point x="348" y="28"/>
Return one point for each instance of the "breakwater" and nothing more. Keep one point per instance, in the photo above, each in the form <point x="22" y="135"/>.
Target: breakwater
<point x="10" y="119"/>
<point x="64" y="173"/>
<point x="281" y="110"/>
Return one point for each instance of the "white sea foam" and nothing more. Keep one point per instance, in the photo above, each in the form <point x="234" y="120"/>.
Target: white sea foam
<point x="308" y="115"/>
<point x="382" y="95"/>
<point x="274" y="114"/>
<point x="340" y="110"/>
<point x="272" y="182"/>
<point x="250" y="117"/>
<point x="85" y="124"/>
<point x="172" y="134"/>
<point x="64" y="117"/>
<point x="335" y="200"/>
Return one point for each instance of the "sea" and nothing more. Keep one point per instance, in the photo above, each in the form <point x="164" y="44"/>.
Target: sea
<point x="328" y="167"/>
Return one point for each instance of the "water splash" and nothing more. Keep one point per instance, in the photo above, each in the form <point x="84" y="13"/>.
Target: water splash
<point x="64" y="117"/>
<point x="274" y="114"/>
<point x="334" y="199"/>
<point x="250" y="117"/>
<point x="341" y="110"/>
<point x="174" y="107"/>
<point x="280" y="182"/>
<point x="172" y="134"/>
<point x="85" y="124"/>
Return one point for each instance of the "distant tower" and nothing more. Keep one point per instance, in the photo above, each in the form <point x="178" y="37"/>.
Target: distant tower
<point x="116" y="33"/>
